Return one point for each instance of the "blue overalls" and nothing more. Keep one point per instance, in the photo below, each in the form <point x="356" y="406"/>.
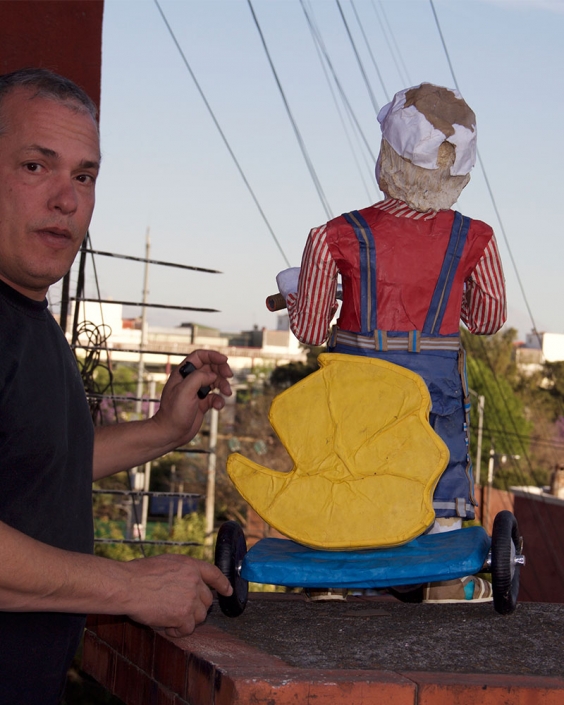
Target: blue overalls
<point x="438" y="359"/>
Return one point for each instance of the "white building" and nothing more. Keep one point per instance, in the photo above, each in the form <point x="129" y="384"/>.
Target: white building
<point x="164" y="348"/>
<point x="538" y="349"/>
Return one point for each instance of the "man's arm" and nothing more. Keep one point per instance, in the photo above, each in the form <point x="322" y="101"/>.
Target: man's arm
<point x="181" y="411"/>
<point x="168" y="592"/>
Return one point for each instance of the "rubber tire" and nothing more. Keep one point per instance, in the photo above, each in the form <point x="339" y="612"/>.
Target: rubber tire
<point x="505" y="573"/>
<point x="230" y="549"/>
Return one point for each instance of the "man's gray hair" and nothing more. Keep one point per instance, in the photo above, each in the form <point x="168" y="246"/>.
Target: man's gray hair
<point x="46" y="84"/>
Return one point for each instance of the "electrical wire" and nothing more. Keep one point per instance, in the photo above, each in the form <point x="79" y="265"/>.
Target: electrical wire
<point x="153" y="261"/>
<point x="505" y="496"/>
<point x="539" y="516"/>
<point x="494" y="430"/>
<point x="222" y="134"/>
<point x="488" y="187"/>
<point x="359" y="60"/>
<point x="146" y="305"/>
<point x="369" y="48"/>
<point x="346" y="102"/>
<point x="369" y="196"/>
<point x="409" y="82"/>
<point x="297" y="132"/>
<point x="88" y="244"/>
<point x="544" y="521"/>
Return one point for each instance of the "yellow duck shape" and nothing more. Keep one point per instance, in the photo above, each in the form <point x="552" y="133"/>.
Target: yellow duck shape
<point x="366" y="460"/>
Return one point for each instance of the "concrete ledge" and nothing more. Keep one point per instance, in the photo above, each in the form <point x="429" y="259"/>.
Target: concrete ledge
<point x="235" y="662"/>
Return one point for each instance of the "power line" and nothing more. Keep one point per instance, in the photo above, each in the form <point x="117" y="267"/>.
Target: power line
<point x="501" y="426"/>
<point x="299" y="137"/>
<point x="88" y="243"/>
<point x="554" y="445"/>
<point x="146" y="305"/>
<point x="489" y="188"/>
<point x="153" y="261"/>
<point x="516" y="467"/>
<point x="409" y="82"/>
<point x="539" y="516"/>
<point x="222" y="134"/>
<point x="369" y="48"/>
<point x="444" y="45"/>
<point x="341" y="118"/>
<point x="317" y="35"/>
<point x="359" y="61"/>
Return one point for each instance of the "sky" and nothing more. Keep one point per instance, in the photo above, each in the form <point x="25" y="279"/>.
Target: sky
<point x="166" y="167"/>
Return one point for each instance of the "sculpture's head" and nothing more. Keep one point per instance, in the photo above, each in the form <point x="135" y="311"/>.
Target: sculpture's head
<point x="428" y="147"/>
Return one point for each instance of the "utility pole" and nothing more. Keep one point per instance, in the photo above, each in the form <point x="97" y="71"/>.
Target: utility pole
<point x="210" y="491"/>
<point x="143" y="343"/>
<point x="481" y="404"/>
<point x="488" y="489"/>
<point x="503" y="458"/>
<point x="138" y="477"/>
<point x="147" y="472"/>
<point x="179" y="506"/>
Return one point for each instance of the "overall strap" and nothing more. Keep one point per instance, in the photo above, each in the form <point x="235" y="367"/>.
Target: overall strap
<point x="458" y="235"/>
<point x="367" y="257"/>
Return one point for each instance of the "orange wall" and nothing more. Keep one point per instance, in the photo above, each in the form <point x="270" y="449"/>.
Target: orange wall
<point x="62" y="35"/>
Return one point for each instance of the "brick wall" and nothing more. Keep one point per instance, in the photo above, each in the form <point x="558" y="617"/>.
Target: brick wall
<point x="213" y="667"/>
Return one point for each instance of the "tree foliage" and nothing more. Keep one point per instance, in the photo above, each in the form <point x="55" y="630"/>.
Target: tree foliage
<point x="497" y="351"/>
<point x="522" y="411"/>
<point x="506" y="428"/>
<point x="188" y="529"/>
<point x="285" y="376"/>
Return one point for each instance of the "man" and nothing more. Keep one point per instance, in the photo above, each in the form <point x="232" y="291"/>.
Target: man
<point x="411" y="270"/>
<point x="49" y="452"/>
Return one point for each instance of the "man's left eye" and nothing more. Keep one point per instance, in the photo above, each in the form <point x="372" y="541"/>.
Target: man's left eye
<point x="86" y="178"/>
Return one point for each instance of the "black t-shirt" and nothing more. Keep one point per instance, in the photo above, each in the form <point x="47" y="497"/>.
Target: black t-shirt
<point x="46" y="450"/>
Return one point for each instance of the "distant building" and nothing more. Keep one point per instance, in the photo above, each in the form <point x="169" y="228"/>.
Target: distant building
<point x="248" y="351"/>
<point x="538" y="349"/>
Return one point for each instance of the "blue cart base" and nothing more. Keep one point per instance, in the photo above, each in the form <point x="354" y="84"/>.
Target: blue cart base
<point x="428" y="558"/>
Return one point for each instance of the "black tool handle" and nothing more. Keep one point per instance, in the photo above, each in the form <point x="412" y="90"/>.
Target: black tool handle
<point x="187" y="368"/>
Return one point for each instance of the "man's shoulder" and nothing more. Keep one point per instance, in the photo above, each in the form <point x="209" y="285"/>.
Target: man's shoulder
<point x="28" y="336"/>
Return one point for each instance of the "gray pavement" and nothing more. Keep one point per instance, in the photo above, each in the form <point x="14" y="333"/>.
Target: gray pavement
<point x="382" y="633"/>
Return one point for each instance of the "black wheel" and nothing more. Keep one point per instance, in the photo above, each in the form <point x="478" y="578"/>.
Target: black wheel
<point x="506" y="547"/>
<point x="230" y="549"/>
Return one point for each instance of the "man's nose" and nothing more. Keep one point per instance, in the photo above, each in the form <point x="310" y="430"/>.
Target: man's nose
<point x="63" y="195"/>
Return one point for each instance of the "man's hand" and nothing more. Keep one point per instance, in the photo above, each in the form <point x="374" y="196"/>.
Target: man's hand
<point x="172" y="593"/>
<point x="123" y="446"/>
<point x="181" y="411"/>
<point x="169" y="592"/>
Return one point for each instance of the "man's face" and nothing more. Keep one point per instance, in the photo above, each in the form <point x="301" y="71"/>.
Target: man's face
<point x="49" y="161"/>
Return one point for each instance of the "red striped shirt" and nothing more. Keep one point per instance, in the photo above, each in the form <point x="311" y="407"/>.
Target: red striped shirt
<point x="312" y="308"/>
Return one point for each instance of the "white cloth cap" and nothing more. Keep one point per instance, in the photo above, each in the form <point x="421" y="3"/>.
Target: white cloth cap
<point x="415" y="138"/>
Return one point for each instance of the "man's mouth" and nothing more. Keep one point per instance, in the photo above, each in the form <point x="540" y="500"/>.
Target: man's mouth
<point x="57" y="232"/>
<point x="56" y="237"/>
